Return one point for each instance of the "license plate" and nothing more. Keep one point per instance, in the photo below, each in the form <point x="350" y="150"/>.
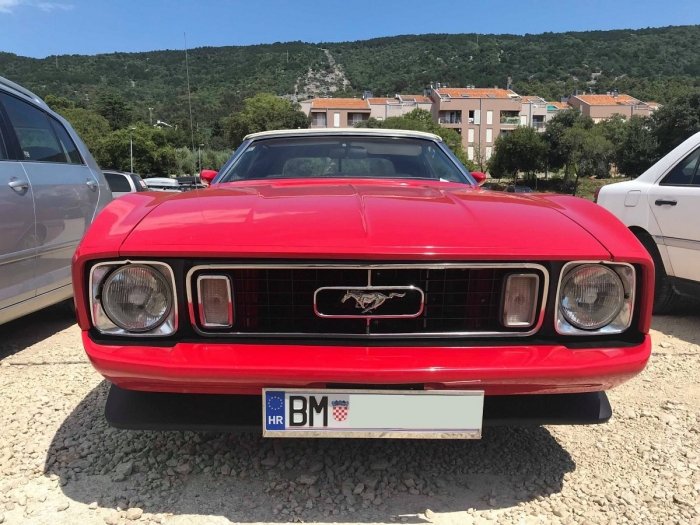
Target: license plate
<point x="373" y="414"/>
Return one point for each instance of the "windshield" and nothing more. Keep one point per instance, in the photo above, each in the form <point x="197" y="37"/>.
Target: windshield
<point x="344" y="157"/>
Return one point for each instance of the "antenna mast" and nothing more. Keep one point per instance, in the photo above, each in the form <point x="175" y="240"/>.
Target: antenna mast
<point x="189" y="96"/>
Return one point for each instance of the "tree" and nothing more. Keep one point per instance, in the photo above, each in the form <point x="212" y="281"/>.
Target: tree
<point x="153" y="156"/>
<point x="613" y="128"/>
<point x="58" y="103"/>
<point x="590" y="153"/>
<point x="265" y="112"/>
<point x="90" y="127"/>
<point x="559" y="151"/>
<point x="522" y="150"/>
<point x="185" y="162"/>
<point x="115" y="109"/>
<point x="675" y="122"/>
<point x="638" y="148"/>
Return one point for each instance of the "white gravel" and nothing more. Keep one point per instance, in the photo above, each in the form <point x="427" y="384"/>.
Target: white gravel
<point x="60" y="462"/>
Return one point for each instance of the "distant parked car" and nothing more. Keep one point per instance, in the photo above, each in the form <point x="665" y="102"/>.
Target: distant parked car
<point x="51" y="189"/>
<point x="162" y="184"/>
<point x="190" y="183"/>
<point x="518" y="189"/>
<point x="173" y="184"/>
<point x="121" y="182"/>
<point x="661" y="208"/>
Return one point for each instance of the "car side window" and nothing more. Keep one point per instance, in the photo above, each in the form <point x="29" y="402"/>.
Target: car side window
<point x="685" y="172"/>
<point x="117" y="182"/>
<point x="36" y="137"/>
<point x="139" y="184"/>
<point x="66" y="141"/>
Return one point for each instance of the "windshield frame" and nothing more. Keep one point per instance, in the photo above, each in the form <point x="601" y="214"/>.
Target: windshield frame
<point x="227" y="169"/>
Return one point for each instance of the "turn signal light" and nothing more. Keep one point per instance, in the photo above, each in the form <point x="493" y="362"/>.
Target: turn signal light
<point x="520" y="300"/>
<point x="215" y="301"/>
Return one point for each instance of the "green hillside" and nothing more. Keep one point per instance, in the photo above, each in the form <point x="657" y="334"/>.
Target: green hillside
<point x="652" y="64"/>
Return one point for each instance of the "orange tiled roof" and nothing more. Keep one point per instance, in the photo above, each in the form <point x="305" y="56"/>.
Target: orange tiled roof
<point x="421" y="99"/>
<point x="653" y="104"/>
<point x="383" y="100"/>
<point x="559" y="105"/>
<point x="607" y="100"/>
<point x="477" y="92"/>
<point x="339" y="103"/>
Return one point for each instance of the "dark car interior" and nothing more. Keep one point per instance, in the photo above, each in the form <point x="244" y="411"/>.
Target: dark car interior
<point x="344" y="157"/>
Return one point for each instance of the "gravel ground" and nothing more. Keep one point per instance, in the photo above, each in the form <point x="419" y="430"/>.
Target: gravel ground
<point x="60" y="462"/>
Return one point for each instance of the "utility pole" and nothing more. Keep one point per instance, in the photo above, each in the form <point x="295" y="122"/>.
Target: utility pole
<point x="131" y="147"/>
<point x="150" y="115"/>
<point x="200" y="157"/>
<point x="189" y="95"/>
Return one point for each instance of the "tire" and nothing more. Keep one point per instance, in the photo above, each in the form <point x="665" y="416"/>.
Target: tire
<point x="666" y="299"/>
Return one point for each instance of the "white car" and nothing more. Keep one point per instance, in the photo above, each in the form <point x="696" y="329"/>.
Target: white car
<point x="121" y="182"/>
<point x="662" y="208"/>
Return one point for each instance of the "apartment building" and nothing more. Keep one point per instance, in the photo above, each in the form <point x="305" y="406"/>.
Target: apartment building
<point x="602" y="107"/>
<point x="479" y="115"/>
<point x="383" y="108"/>
<point x="533" y="112"/>
<point x="555" y="107"/>
<point x="336" y="112"/>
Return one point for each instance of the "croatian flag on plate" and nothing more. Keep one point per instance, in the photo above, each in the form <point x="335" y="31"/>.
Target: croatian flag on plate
<point x="275" y="411"/>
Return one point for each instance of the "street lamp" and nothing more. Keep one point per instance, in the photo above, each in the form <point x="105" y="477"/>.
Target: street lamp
<point x="131" y="147"/>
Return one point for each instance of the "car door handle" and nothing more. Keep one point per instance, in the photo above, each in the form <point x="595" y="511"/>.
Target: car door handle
<point x="662" y="202"/>
<point x="18" y="185"/>
<point x="91" y="184"/>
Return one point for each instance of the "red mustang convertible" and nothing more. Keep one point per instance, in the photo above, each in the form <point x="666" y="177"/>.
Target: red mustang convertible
<point x="359" y="283"/>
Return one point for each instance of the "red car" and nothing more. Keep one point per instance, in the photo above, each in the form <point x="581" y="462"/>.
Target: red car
<point x="359" y="283"/>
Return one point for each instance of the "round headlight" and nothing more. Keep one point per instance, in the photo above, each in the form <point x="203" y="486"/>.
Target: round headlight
<point x="137" y="298"/>
<point x="591" y="296"/>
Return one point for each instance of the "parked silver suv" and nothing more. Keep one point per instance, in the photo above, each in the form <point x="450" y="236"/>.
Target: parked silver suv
<point x="51" y="189"/>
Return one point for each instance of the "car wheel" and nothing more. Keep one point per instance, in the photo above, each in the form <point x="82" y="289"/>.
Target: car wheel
<point x="666" y="298"/>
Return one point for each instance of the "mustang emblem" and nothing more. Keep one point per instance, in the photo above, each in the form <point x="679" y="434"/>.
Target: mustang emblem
<point x="369" y="301"/>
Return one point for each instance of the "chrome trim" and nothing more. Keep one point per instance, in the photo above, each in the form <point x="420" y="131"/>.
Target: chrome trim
<point x="675" y="242"/>
<point x="201" y="306"/>
<point x="622" y="321"/>
<point x="534" y="304"/>
<point x="370" y="315"/>
<point x="47" y="249"/>
<point x="14" y="257"/>
<point x="99" y="318"/>
<point x="423" y="266"/>
<point x="444" y="434"/>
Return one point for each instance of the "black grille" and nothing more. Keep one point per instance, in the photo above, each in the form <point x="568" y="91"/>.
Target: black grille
<point x="281" y="300"/>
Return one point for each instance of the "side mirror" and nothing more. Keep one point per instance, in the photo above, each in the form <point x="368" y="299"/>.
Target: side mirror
<point x="208" y="175"/>
<point x="479" y="177"/>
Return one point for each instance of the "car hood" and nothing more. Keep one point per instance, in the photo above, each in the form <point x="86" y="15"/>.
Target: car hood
<point x="368" y="219"/>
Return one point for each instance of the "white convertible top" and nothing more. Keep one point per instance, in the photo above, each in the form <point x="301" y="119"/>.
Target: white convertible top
<point x="343" y="131"/>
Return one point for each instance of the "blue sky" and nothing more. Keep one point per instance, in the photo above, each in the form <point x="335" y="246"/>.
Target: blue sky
<point x="40" y="28"/>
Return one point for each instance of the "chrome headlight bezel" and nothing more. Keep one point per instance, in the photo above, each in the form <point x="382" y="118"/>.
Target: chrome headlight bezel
<point x="622" y="321"/>
<point x="99" y="275"/>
